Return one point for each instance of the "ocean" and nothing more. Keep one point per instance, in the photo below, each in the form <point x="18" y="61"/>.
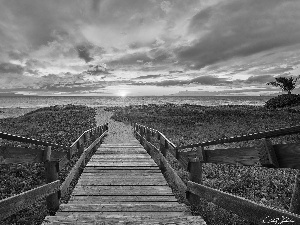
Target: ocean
<point x="96" y="101"/>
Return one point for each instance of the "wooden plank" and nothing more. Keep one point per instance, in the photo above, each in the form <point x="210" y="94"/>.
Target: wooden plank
<point x="288" y="155"/>
<point x="91" y="163"/>
<point x="124" y="207"/>
<point x="119" y="219"/>
<point x="118" y="156"/>
<point x="117" y="174"/>
<point x="74" y="171"/>
<point x="12" y="137"/>
<point x="121" y="198"/>
<point x="122" y="190"/>
<point x="154" y="152"/>
<point x="12" y="205"/>
<point x="10" y="154"/>
<point x="121" y="181"/>
<point x="248" y="156"/>
<point x="266" y="134"/>
<point x="247" y="209"/>
<point x="128" y="214"/>
<point x="127" y="160"/>
<point x="122" y="168"/>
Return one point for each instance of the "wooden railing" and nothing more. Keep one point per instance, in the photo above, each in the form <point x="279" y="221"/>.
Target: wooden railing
<point x="265" y="154"/>
<point x="54" y="162"/>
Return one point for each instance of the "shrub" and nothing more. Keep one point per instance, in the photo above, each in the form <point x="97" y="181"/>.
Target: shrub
<point x="281" y="101"/>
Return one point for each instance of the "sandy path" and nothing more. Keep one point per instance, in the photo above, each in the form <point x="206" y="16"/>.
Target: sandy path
<point x="117" y="132"/>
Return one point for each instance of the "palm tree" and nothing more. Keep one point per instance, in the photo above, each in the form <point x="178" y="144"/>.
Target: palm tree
<point x="286" y="84"/>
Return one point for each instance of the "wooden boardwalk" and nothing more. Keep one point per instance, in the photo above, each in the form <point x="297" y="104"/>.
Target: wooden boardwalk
<point x="121" y="184"/>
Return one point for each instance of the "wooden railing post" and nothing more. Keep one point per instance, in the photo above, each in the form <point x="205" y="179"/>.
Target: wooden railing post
<point x="148" y="134"/>
<point x="195" y="170"/>
<point x="295" y="202"/>
<point x="51" y="174"/>
<point x="162" y="146"/>
<point x="142" y="135"/>
<point x="267" y="154"/>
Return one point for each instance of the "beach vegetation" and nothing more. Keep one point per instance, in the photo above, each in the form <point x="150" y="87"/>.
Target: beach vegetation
<point x="57" y="124"/>
<point x="187" y="124"/>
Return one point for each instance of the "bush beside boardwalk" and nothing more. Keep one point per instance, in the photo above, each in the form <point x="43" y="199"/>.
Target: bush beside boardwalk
<point x="57" y="124"/>
<point x="188" y="124"/>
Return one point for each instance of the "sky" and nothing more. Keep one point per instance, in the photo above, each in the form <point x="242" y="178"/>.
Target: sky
<point x="147" y="47"/>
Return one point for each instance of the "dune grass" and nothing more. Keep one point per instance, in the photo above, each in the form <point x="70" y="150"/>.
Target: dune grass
<point x="58" y="124"/>
<point x="188" y="124"/>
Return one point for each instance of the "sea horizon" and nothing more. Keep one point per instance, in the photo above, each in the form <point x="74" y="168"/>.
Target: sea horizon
<point x="107" y="101"/>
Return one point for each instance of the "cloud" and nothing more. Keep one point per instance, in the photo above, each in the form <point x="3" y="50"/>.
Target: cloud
<point x="203" y="80"/>
<point x="83" y="52"/>
<point x="97" y="70"/>
<point x="11" y="68"/>
<point x="210" y="80"/>
<point x="263" y="79"/>
<point x="240" y="28"/>
<point x="148" y="77"/>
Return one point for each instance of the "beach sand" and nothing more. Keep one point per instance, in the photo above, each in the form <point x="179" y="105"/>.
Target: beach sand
<point x="118" y="132"/>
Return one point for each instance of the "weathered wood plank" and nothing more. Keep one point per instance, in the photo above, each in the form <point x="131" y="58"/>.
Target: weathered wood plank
<point x="288" y="155"/>
<point x="92" y="163"/>
<point x="11" y="205"/>
<point x="121" y="198"/>
<point x="132" y="214"/>
<point x="124" y="207"/>
<point x="266" y="134"/>
<point x="118" y="219"/>
<point x="120" y="151"/>
<point x="28" y="140"/>
<point x="75" y="170"/>
<point x="10" y="154"/>
<point x="112" y="172"/>
<point x="118" y="156"/>
<point x="93" y="181"/>
<point x="245" y="208"/>
<point x="137" y="175"/>
<point x="124" y="168"/>
<point x="116" y="159"/>
<point x="122" y="190"/>
<point x="154" y="152"/>
<point x="248" y="156"/>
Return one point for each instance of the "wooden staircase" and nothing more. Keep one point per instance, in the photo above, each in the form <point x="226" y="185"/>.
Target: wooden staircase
<point x="121" y="184"/>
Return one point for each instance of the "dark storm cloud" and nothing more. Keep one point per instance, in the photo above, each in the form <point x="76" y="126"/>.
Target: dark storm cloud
<point x="241" y="28"/>
<point x="11" y="68"/>
<point x="84" y="52"/>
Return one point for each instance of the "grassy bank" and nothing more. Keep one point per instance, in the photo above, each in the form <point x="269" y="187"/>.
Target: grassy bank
<point x="58" y="124"/>
<point x="191" y="124"/>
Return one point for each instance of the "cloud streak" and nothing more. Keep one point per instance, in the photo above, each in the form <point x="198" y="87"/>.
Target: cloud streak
<point x="241" y="28"/>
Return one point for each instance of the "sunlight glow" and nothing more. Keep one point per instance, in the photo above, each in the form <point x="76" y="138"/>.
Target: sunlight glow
<point x="122" y="93"/>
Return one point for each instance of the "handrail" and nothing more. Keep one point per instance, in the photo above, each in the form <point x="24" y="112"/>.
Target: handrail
<point x="265" y="154"/>
<point x="52" y="189"/>
<point x="246" y="137"/>
<point x="13" y="137"/>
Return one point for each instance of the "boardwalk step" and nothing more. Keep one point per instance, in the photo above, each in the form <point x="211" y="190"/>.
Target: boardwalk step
<point x="130" y="198"/>
<point x="124" y="207"/>
<point x="122" y="190"/>
<point x="120" y="220"/>
<point x="121" y="184"/>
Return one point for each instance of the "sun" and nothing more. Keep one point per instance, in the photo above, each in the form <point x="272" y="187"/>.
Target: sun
<point x="122" y="94"/>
